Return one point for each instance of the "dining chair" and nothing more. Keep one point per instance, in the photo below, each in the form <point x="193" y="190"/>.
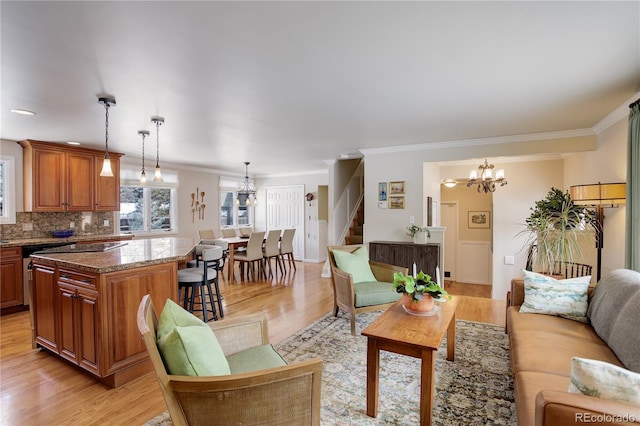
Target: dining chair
<point x="245" y="231"/>
<point x="272" y="251"/>
<point x="207" y="234"/>
<point x="251" y="256"/>
<point x="286" y="247"/>
<point x="228" y="232"/>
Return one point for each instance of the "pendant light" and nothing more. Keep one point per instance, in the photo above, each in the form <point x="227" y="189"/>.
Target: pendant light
<point x="158" y="121"/>
<point x="107" y="101"/>
<point x="143" y="175"/>
<point x="247" y="188"/>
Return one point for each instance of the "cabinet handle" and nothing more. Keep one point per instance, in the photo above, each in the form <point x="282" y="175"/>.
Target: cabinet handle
<point x="64" y="276"/>
<point x="85" y="280"/>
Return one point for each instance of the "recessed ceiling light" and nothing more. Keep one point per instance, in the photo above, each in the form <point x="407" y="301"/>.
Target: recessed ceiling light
<point x="73" y="143"/>
<point x="23" y="112"/>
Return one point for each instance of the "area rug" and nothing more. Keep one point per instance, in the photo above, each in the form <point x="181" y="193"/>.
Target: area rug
<point x="475" y="389"/>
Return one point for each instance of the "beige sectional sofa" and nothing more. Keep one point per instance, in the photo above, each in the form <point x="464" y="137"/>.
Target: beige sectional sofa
<point x="542" y="347"/>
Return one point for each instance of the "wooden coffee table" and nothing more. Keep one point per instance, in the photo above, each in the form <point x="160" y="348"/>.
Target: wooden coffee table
<point x="416" y="336"/>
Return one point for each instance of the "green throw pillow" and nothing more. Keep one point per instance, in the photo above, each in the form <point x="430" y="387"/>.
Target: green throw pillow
<point x="546" y="295"/>
<point x="356" y="264"/>
<point x="193" y="351"/>
<point x="174" y="315"/>
<point x="603" y="380"/>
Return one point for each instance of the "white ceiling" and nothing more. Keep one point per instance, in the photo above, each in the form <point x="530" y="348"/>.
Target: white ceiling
<point x="288" y="85"/>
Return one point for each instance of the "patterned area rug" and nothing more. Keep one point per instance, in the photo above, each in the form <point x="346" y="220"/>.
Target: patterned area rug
<point x="475" y="389"/>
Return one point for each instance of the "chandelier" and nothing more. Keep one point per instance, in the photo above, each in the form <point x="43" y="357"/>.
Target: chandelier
<point x="247" y="188"/>
<point x="485" y="181"/>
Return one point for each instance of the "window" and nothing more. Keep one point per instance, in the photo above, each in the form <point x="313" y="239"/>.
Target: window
<point x="144" y="209"/>
<point x="7" y="190"/>
<point x="233" y="214"/>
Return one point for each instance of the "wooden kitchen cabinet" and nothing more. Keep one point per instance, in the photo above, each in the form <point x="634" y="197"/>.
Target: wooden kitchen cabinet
<point x="90" y="319"/>
<point x="11" y="287"/>
<point x="45" y="306"/>
<point x="78" y="307"/>
<point x="107" y="193"/>
<point x="61" y="178"/>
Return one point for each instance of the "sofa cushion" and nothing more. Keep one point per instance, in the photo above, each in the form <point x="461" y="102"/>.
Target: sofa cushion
<point x="193" y="351"/>
<point x="173" y="315"/>
<point x="527" y="385"/>
<point x="613" y="313"/>
<point x="254" y="359"/>
<point x="518" y="322"/>
<point x="546" y="295"/>
<point x="356" y="264"/>
<point x="372" y="293"/>
<point x="547" y="352"/>
<point x="603" y="380"/>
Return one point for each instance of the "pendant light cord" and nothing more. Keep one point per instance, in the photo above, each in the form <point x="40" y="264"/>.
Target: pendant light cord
<point x="106" y="130"/>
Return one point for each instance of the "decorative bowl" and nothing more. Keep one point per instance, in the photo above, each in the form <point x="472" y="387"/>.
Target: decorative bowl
<point x="65" y="233"/>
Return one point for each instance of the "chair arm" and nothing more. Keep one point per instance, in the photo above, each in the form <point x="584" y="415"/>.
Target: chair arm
<point x="237" y="334"/>
<point x="282" y="395"/>
<point x="563" y="408"/>
<point x="384" y="271"/>
<point x="343" y="286"/>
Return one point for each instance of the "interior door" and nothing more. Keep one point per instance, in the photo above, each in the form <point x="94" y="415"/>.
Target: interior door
<point x="285" y="210"/>
<point x="449" y="220"/>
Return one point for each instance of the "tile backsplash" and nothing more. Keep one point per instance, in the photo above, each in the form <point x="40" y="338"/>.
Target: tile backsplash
<point x="41" y="224"/>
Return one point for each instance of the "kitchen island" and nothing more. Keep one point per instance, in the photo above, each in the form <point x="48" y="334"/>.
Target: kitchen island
<point x="84" y="304"/>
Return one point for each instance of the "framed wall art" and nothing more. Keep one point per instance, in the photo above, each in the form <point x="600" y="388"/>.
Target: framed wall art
<point x="382" y="191"/>
<point x="396" y="187"/>
<point x="479" y="219"/>
<point x="396" y="201"/>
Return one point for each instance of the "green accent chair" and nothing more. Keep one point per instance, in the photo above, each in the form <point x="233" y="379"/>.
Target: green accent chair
<point x="260" y="388"/>
<point x="365" y="296"/>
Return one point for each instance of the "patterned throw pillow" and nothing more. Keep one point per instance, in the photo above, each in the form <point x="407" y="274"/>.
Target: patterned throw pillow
<point x="546" y="295"/>
<point x="603" y="380"/>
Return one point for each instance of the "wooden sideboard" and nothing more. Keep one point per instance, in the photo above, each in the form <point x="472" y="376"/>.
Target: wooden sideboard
<point x="404" y="254"/>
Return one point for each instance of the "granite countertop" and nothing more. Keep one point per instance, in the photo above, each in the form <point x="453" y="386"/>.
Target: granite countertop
<point x="69" y="240"/>
<point x="135" y="254"/>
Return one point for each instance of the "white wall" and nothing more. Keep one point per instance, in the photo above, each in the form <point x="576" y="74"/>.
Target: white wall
<point x="607" y="164"/>
<point x="189" y="224"/>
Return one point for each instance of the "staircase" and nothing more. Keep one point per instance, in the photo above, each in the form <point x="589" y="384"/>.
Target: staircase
<point x="355" y="230"/>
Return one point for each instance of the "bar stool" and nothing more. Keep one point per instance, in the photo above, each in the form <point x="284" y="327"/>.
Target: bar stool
<point x="195" y="280"/>
<point x="208" y="243"/>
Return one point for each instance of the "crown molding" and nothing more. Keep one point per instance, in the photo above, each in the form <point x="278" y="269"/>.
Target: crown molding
<point x="481" y="141"/>
<point x="616" y="115"/>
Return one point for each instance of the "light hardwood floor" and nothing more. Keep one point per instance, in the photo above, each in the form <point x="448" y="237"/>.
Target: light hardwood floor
<point x="37" y="388"/>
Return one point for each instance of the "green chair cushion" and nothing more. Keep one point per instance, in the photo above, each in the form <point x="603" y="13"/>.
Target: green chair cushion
<point x="374" y="293"/>
<point x="356" y="264"/>
<point x="193" y="351"/>
<point x="254" y="359"/>
<point x="173" y="315"/>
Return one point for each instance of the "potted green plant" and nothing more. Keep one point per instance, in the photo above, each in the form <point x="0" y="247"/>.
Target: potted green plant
<point x="420" y="234"/>
<point x="555" y="229"/>
<point x="419" y="292"/>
